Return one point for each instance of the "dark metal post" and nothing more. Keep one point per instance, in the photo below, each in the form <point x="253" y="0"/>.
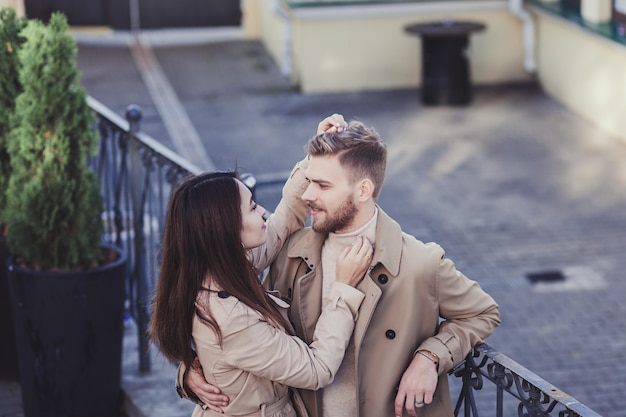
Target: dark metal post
<point x="137" y="174"/>
<point x="135" y="24"/>
<point x="445" y="60"/>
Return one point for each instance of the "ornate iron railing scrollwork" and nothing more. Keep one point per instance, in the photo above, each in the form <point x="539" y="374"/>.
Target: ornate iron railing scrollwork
<point x="535" y="397"/>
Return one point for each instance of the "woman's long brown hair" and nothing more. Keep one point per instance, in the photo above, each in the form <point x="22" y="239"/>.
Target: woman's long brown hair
<point x="202" y="237"/>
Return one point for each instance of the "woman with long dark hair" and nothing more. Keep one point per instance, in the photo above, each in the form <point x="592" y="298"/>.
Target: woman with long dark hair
<point x="209" y="301"/>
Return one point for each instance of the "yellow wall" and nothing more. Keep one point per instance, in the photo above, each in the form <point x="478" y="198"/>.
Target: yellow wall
<point x="272" y="31"/>
<point x="250" y="23"/>
<point x="355" y="48"/>
<point x="584" y="71"/>
<point x="18" y="5"/>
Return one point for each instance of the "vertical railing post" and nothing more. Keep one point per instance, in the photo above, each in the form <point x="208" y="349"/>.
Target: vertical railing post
<point x="500" y="373"/>
<point x="137" y="174"/>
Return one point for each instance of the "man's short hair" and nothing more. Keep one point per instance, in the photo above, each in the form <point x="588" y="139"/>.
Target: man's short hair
<point x="361" y="152"/>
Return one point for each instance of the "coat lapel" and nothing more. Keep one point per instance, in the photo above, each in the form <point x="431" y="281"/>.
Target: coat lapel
<point x="308" y="287"/>
<point x="387" y="252"/>
<point x="388" y="245"/>
<point x="372" y="295"/>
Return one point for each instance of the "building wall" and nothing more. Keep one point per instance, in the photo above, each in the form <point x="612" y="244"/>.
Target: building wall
<point x="353" y="48"/>
<point x="18" y="5"/>
<point x="250" y="23"/>
<point x="273" y="32"/>
<point x="365" y="47"/>
<point x="583" y="70"/>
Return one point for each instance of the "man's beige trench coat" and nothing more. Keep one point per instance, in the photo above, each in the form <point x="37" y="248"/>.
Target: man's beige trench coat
<point x="410" y="286"/>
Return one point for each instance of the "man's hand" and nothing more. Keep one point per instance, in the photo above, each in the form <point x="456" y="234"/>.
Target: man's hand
<point x="332" y="124"/>
<point x="209" y="394"/>
<point x="417" y="385"/>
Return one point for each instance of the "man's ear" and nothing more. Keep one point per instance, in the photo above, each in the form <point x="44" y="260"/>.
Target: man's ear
<point x="365" y="190"/>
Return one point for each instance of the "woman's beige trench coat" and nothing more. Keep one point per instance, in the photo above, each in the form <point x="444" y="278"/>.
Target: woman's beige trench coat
<point x="257" y="363"/>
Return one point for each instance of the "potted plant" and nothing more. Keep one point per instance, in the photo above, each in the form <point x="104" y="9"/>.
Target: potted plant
<point x="10" y="27"/>
<point x="67" y="289"/>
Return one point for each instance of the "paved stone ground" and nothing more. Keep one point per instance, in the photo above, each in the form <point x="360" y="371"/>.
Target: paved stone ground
<point x="512" y="184"/>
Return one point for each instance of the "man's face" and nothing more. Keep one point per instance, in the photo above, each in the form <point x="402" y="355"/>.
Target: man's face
<point x="330" y="196"/>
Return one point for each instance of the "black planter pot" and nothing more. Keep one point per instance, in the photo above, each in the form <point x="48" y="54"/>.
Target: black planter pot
<point x="69" y="330"/>
<point x="8" y="352"/>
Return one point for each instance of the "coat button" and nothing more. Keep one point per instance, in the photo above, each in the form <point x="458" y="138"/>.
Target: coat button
<point x="390" y="334"/>
<point x="382" y="278"/>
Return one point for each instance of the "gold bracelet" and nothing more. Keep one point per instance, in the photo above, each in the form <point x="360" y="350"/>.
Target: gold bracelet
<point x="421" y="352"/>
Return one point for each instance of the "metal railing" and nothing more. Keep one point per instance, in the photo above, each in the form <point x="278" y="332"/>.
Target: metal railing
<point x="137" y="174"/>
<point x="529" y="394"/>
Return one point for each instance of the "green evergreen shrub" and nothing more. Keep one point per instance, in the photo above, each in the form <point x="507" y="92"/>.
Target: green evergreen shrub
<point x="10" y="42"/>
<point x="53" y="200"/>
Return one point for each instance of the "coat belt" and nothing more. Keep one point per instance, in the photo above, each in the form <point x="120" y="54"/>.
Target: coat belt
<point x="265" y="411"/>
<point x="270" y="410"/>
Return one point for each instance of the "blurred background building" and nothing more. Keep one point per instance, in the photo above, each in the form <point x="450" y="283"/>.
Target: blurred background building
<point x="575" y="49"/>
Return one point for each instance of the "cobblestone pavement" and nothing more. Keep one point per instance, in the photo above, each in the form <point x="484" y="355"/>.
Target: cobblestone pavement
<point x="512" y="185"/>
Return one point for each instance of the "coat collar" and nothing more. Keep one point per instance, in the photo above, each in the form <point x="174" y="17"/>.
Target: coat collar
<point x="388" y="246"/>
<point x="387" y="251"/>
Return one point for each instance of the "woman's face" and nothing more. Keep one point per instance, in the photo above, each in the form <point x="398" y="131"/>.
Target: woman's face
<point x="253" y="228"/>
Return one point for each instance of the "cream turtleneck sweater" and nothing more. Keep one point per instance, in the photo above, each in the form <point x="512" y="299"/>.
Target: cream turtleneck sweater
<point x="337" y="396"/>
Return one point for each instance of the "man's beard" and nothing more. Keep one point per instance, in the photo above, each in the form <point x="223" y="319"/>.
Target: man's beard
<point x="339" y="220"/>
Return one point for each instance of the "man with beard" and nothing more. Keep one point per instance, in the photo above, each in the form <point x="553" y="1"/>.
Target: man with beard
<point x="420" y="317"/>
